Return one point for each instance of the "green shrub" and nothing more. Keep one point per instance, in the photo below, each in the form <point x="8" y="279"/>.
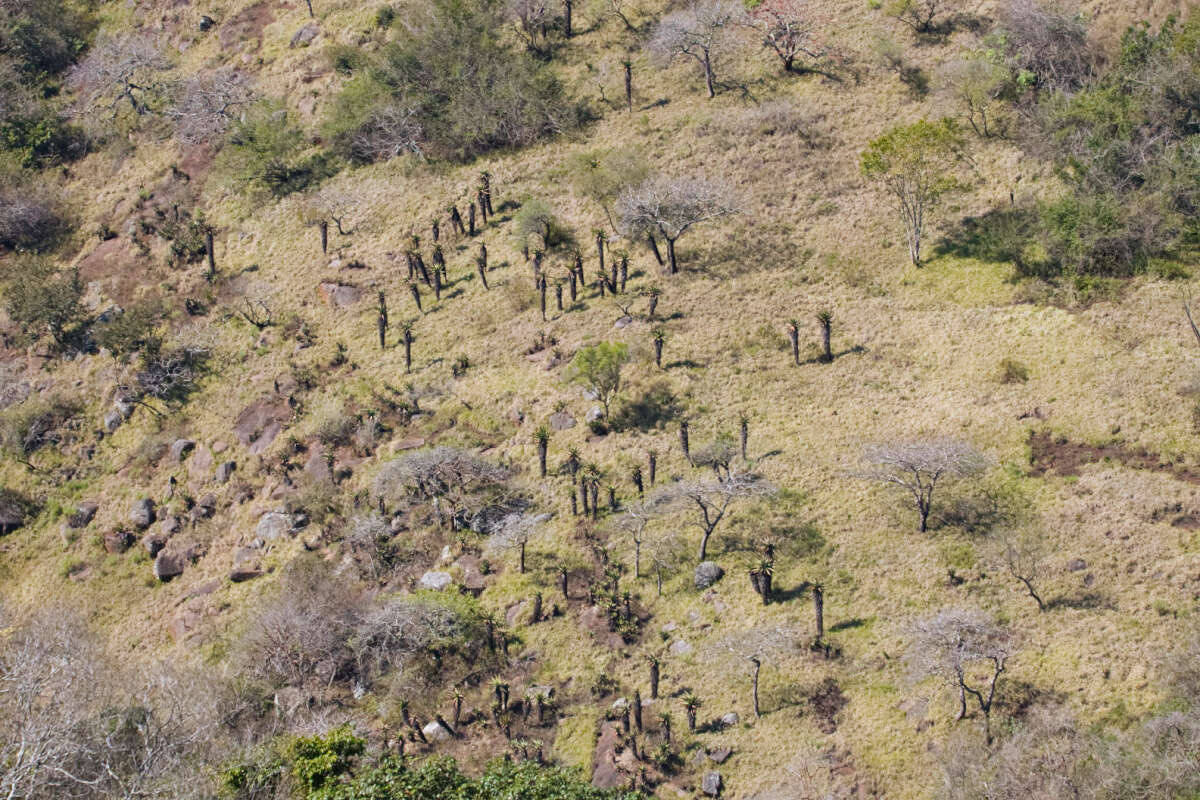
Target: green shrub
<point x="1013" y="371"/>
<point x="265" y="153"/>
<point x="45" y="300"/>
<point x="469" y="90"/>
<point x="130" y="332"/>
<point x="536" y="227"/>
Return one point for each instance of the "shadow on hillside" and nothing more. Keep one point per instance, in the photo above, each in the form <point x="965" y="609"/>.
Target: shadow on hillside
<point x="780" y="595"/>
<point x="998" y="236"/>
<point x="857" y="349"/>
<point x="1083" y="601"/>
<point x="847" y="625"/>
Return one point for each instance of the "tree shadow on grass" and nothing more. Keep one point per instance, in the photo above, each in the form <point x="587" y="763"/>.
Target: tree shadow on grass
<point x="1083" y="601"/>
<point x="998" y="236"/>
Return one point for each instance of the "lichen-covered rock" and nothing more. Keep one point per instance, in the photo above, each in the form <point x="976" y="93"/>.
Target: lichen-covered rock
<point x="142" y="514"/>
<point x="83" y="516"/>
<point x="707" y="573"/>
<point x="168" y="566"/>
<point x="180" y="448"/>
<point x="118" y="541"/>
<point x="436" y="580"/>
<point x="711" y="784"/>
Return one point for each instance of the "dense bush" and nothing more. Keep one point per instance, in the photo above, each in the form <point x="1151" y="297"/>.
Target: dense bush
<point x="43" y="299"/>
<point x="463" y="89"/>
<point x="265" y="153"/>
<point x="326" y="767"/>
<point x="1124" y="145"/>
<point x="31" y="218"/>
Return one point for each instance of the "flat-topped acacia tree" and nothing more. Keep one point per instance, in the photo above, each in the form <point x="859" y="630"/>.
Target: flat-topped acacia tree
<point x="670" y="207"/>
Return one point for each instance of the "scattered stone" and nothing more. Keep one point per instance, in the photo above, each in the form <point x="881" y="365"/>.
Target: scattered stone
<point x="623" y="322"/>
<point x="561" y="421"/>
<point x="118" y="541"/>
<point x="83" y="516"/>
<point x="142" y="514"/>
<point x="730" y="719"/>
<point x="436" y="580"/>
<point x="259" y="424"/>
<point x="317" y="467"/>
<point x="680" y="648"/>
<point x="180" y="449"/>
<point x="1076" y="564"/>
<point x="304" y="37"/>
<point x="168" y="566"/>
<point x="113" y="420"/>
<point x="201" y="463"/>
<point x="670" y="626"/>
<point x="516" y="416"/>
<point x="435" y="732"/>
<point x="720" y="756"/>
<point x="711" y="784"/>
<point x="184" y="624"/>
<point x="154" y="543"/>
<point x="208" y="587"/>
<point x="206" y="23"/>
<point x="170" y="525"/>
<point x="707" y="573"/>
<point x="225" y="472"/>
<point x="205" y="508"/>
<point x="620" y="704"/>
<point x="219" y="446"/>
<point x="593" y="414"/>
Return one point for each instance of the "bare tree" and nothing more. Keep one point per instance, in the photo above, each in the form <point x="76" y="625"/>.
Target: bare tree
<point x="669" y="207"/>
<point x="369" y="538"/>
<point x="125" y="68"/>
<point x="447" y="476"/>
<point x="390" y="131"/>
<point x="206" y="103"/>
<point x="1049" y="41"/>
<point x="301" y="635"/>
<point x="634" y="521"/>
<point x="515" y="531"/>
<point x="919" y="466"/>
<point x="791" y="30"/>
<point x="920" y="14"/>
<point x="765" y="643"/>
<point x="48" y="668"/>
<point x="1023" y="553"/>
<point x="979" y="85"/>
<point x="713" y="499"/>
<point x="699" y="32"/>
<point x="400" y="629"/>
<point x="533" y="18"/>
<point x="967" y="650"/>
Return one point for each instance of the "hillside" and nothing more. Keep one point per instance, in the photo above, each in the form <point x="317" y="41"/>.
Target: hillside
<point x="338" y="536"/>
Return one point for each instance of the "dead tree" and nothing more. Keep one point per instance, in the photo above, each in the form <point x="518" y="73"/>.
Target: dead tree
<point x="713" y="499"/>
<point x="700" y="32"/>
<point x="919" y="466"/>
<point x="669" y="207"/>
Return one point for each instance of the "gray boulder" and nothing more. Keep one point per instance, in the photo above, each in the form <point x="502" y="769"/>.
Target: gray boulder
<point x="707" y="573"/>
<point x="436" y="580"/>
<point x="225" y="472"/>
<point x="142" y="514"/>
<point x="154" y="543"/>
<point x="180" y="448"/>
<point x="274" y="525"/>
<point x="84" y="514"/>
<point x="561" y="421"/>
<point x="711" y="784"/>
<point x="434" y="732"/>
<point x="730" y="719"/>
<point x="168" y="566"/>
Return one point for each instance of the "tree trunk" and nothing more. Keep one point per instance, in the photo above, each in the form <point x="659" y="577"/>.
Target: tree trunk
<point x="483" y="212"/>
<point x="563" y="579"/>
<point x="408" y="351"/>
<point x="744" y="435"/>
<point x="596" y="495"/>
<point x="673" y="266"/>
<point x="310" y="8"/>
<point x="819" y="610"/>
<point x="437" y="231"/>
<point x="542" y="291"/>
<point x="757" y="667"/>
<point x="794" y="335"/>
<point x="629" y="86"/>
<point x="574" y="286"/>
<point x="653" y="306"/>
<point x="574" y="503"/>
<point x="537" y="607"/>
<point x="437" y="284"/>
<point x="637" y="710"/>
<point x="704" y="537"/>
<point x="683" y="440"/>
<point x="522" y="570"/>
<point x="658" y="348"/>
<point x="381" y="324"/>
<point x="471" y="220"/>
<point x="208" y="251"/>
<point x="654" y="248"/>
<point x="416" y="296"/>
<point x="637" y="480"/>
<point x="558" y="296"/>
<point x="543" y="446"/>
<point x="567" y="17"/>
<point x="624" y="272"/>
<point x="923" y="507"/>
<point x="691" y="718"/>
<point x="653" y="466"/>
<point x="323" y="227"/>
<point x="826" y="347"/>
<point x="708" y="75"/>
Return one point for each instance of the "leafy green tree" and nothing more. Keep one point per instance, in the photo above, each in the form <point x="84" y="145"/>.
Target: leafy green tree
<point x="45" y="300"/>
<point x="915" y="164"/>
<point x="599" y="369"/>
